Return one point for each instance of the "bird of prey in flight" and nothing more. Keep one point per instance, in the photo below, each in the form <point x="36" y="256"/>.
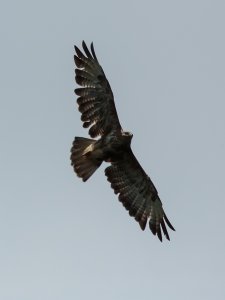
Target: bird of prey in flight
<point x="95" y="101"/>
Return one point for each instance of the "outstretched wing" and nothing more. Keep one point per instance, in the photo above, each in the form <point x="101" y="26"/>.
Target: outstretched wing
<point x="138" y="194"/>
<point x="95" y="100"/>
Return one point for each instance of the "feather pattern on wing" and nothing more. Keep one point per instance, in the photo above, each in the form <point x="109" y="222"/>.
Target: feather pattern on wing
<point x="96" y="102"/>
<point x="138" y="194"/>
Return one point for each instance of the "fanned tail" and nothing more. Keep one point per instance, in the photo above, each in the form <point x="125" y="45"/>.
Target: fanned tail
<point x="83" y="160"/>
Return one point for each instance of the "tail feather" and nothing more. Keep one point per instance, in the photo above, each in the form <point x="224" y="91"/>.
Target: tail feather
<point x="82" y="160"/>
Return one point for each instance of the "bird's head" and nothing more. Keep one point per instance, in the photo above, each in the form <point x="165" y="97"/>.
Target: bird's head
<point x="127" y="136"/>
<point x="127" y="133"/>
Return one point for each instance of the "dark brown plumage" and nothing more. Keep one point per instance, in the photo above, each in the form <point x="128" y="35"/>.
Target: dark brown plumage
<point x="96" y="104"/>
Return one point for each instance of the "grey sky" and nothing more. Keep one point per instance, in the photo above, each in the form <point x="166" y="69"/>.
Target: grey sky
<point x="63" y="239"/>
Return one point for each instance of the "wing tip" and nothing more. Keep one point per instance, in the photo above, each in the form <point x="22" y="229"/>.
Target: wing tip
<point x="89" y="54"/>
<point x="86" y="50"/>
<point x="93" y="51"/>
<point x="168" y="223"/>
<point x="156" y="230"/>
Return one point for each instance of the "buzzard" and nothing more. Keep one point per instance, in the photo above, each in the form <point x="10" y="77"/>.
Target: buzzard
<point x="96" y="104"/>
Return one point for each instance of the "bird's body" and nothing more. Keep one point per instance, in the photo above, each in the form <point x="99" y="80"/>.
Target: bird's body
<point x="115" y="146"/>
<point x="96" y="104"/>
<point x="109" y="148"/>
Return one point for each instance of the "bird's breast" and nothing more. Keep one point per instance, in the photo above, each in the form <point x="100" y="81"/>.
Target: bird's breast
<point x="114" y="147"/>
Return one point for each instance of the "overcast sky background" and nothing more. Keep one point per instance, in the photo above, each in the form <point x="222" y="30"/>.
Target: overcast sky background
<point x="63" y="239"/>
